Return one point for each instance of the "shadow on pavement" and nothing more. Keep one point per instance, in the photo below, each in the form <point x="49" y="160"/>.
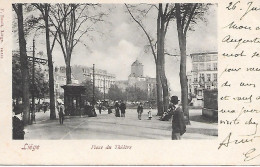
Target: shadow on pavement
<point x="209" y="132"/>
<point x="202" y="119"/>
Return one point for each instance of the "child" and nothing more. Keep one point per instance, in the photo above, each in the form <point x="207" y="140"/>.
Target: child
<point x="150" y="114"/>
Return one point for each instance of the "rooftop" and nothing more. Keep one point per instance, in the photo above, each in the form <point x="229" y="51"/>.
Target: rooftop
<point x="137" y="63"/>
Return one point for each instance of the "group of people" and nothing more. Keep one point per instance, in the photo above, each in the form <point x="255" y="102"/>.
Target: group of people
<point x="120" y="109"/>
<point x="140" y="109"/>
<point x="174" y="112"/>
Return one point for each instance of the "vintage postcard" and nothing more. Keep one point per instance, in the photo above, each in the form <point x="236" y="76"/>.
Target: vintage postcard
<point x="129" y="82"/>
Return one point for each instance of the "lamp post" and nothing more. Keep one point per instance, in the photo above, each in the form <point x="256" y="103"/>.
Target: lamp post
<point x="93" y="102"/>
<point x="34" y="60"/>
<point x="33" y="84"/>
<point x="104" y="89"/>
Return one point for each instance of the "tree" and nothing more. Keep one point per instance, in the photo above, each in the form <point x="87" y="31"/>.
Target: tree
<point x="163" y="18"/>
<point x="18" y="8"/>
<point x="41" y="85"/>
<point x="186" y="16"/>
<point x="89" y="91"/>
<point x="41" y="88"/>
<point x="45" y="9"/>
<point x="114" y="93"/>
<point x="71" y="29"/>
<point x="136" y="94"/>
<point x="17" y="91"/>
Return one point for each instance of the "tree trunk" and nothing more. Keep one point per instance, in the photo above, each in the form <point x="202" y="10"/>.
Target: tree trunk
<point x="24" y="67"/>
<point x="159" y="92"/>
<point x="165" y="90"/>
<point x="161" y="57"/>
<point x="50" y="65"/>
<point x="163" y="79"/>
<point x="183" y="77"/>
<point x="68" y="72"/>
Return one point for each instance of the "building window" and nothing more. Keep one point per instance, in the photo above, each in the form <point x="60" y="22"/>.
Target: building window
<point x="208" y="66"/>
<point x="201" y="58"/>
<point x="195" y="89"/>
<point x="195" y="58"/>
<point x="208" y="58"/>
<point x="202" y="79"/>
<point x="208" y="77"/>
<point x="215" y="66"/>
<point x="214" y="57"/>
<point x="195" y="79"/>
<point x="215" y="86"/>
<point x="201" y="66"/>
<point x="208" y="86"/>
<point x="215" y="77"/>
<point x="195" y="67"/>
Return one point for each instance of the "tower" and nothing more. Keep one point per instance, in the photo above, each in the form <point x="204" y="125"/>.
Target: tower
<point x="137" y="69"/>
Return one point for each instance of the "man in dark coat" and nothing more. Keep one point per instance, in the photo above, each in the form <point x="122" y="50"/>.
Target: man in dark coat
<point x="140" y="110"/>
<point x="122" y="108"/>
<point x="100" y="107"/>
<point x="117" y="109"/>
<point x="178" y="124"/>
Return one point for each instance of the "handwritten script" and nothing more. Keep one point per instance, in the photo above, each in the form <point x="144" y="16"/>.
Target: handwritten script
<point x="1" y="33"/>
<point x="240" y="80"/>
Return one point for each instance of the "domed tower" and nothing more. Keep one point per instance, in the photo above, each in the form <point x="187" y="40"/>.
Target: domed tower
<point x="137" y="69"/>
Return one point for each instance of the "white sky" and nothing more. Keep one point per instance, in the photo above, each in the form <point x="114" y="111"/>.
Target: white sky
<point x="122" y="42"/>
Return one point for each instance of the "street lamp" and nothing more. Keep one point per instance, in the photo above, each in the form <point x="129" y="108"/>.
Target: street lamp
<point x="104" y="89"/>
<point x="37" y="60"/>
<point x="93" y="102"/>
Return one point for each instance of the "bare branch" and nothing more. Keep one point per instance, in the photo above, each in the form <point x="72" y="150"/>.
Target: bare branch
<point x="15" y="8"/>
<point x="190" y="18"/>
<point x="147" y="35"/>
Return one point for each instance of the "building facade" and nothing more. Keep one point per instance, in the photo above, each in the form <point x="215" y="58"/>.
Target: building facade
<point x="204" y="74"/>
<point x="103" y="79"/>
<point x="60" y="80"/>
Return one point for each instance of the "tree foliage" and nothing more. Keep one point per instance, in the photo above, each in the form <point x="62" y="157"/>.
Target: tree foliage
<point x="89" y="92"/>
<point x="136" y="94"/>
<point x="41" y="84"/>
<point x="115" y="93"/>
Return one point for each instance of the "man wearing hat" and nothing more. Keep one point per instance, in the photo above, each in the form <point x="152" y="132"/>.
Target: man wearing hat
<point x="61" y="112"/>
<point x="178" y="124"/>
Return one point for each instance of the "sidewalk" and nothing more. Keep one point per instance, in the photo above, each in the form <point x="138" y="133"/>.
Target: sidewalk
<point x="108" y="127"/>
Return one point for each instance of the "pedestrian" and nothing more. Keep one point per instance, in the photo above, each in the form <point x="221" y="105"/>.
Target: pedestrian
<point x="122" y="108"/>
<point x="45" y="107"/>
<point x="150" y="114"/>
<point x="117" y="109"/>
<point x="61" y="112"/>
<point x="93" y="111"/>
<point x="140" y="110"/>
<point x="109" y="109"/>
<point x="100" y="107"/>
<point x="178" y="123"/>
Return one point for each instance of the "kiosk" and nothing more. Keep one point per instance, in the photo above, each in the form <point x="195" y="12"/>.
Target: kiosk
<point x="74" y="98"/>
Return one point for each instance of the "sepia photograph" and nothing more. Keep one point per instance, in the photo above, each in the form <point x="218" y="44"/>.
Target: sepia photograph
<point x="99" y="71"/>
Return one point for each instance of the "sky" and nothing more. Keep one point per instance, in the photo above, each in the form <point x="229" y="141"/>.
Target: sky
<point x="118" y="42"/>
